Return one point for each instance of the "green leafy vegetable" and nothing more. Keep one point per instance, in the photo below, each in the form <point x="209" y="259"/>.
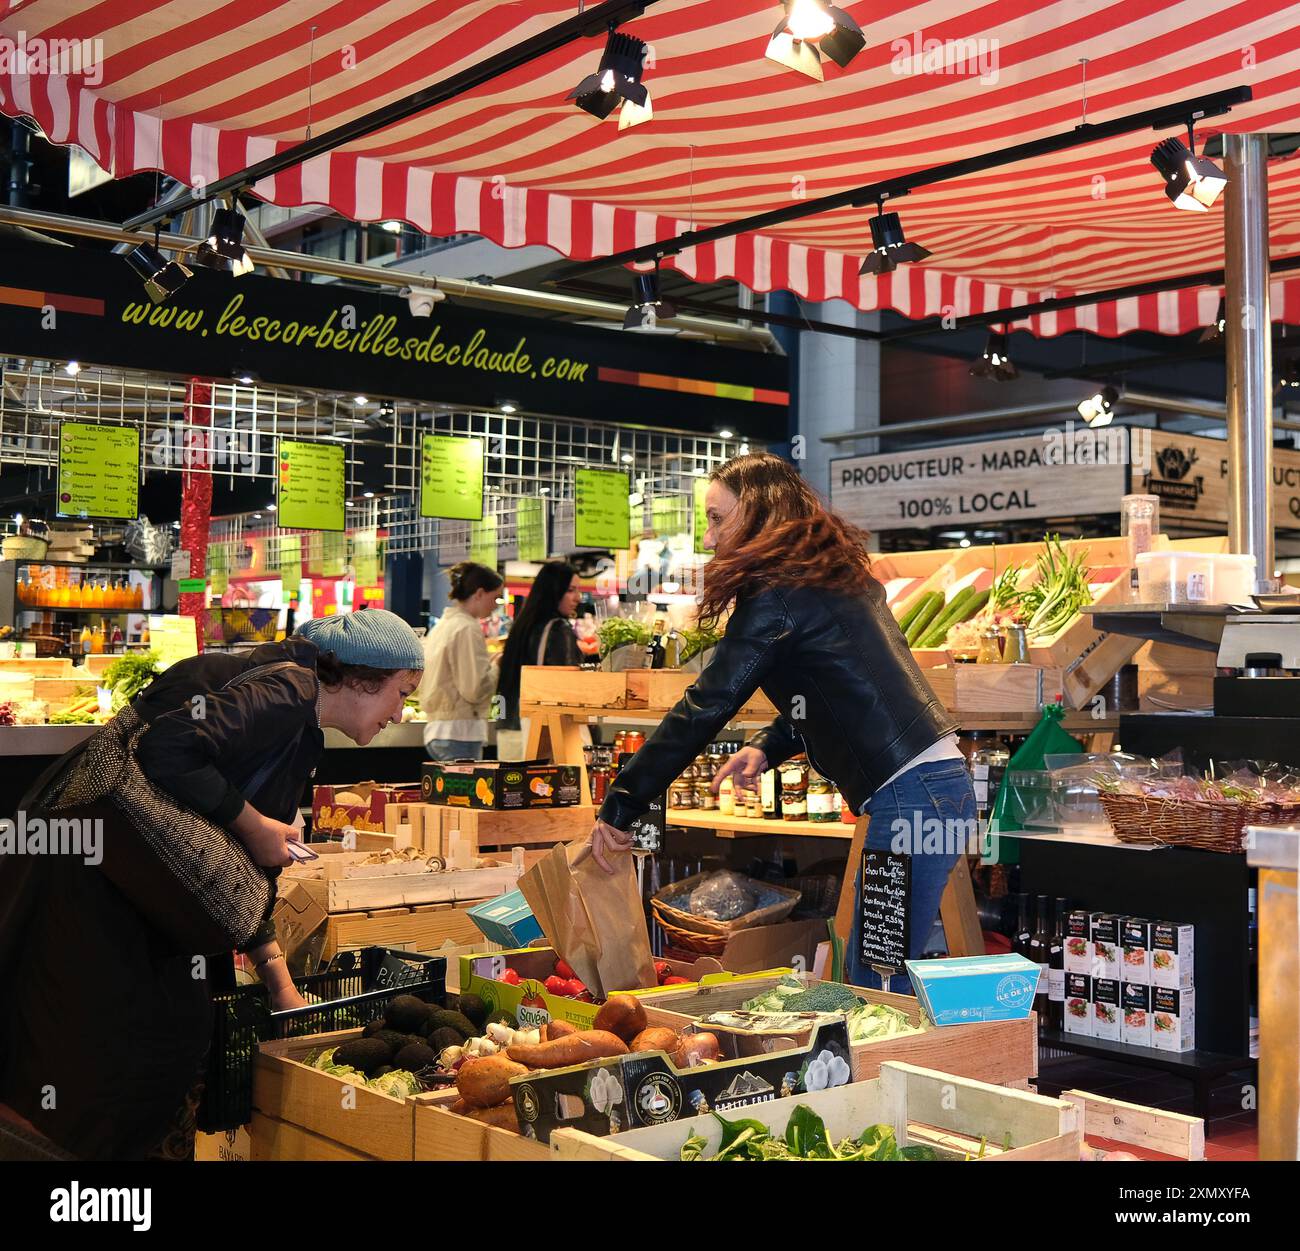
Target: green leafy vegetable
<point x="616" y="632"/>
<point x="128" y="675"/>
<point x="806" y="1138"/>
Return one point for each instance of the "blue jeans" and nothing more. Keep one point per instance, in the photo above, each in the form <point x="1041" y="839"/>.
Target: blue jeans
<point x="454" y="749"/>
<point x="940" y="789"/>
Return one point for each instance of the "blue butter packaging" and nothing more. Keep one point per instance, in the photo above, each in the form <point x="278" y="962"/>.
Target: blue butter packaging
<point x="961" y="989"/>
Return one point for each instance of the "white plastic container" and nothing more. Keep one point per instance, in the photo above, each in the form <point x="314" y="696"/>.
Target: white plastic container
<point x="1195" y="578"/>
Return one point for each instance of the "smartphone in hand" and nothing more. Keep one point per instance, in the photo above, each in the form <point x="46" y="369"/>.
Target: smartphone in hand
<point x="300" y="851"/>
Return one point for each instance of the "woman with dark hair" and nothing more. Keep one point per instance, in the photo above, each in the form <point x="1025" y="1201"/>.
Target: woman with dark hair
<point x="108" y="961"/>
<point x="541" y="634"/>
<point x="459" y="675"/>
<point x="809" y="626"/>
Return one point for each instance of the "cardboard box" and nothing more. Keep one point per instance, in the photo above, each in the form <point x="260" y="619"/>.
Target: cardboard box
<point x="1172" y="955"/>
<point x="1135" y="1000"/>
<point x="1107" y="955"/>
<point x="1077" y="1014"/>
<point x="231" y="1145"/>
<point x="1107" y="1011"/>
<point x="1135" y="939"/>
<point x="957" y="991"/>
<point x="1078" y="943"/>
<point x="646" y="1088"/>
<point x="507" y="920"/>
<point x="1173" y="1019"/>
<point x="790" y="944"/>
<point x="328" y="814"/>
<point x="297" y="915"/>
<point x="512" y="786"/>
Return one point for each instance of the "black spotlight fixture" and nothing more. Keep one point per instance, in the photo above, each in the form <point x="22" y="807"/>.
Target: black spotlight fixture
<point x="224" y="247"/>
<point x="890" y="248"/>
<point x="1099" y="409"/>
<point x="1191" y="182"/>
<point x="162" y="278"/>
<point x="1214" y="331"/>
<point x="995" y="363"/>
<point x="617" y="82"/>
<point x="650" y="306"/>
<point x="1288" y="383"/>
<point x="809" y="29"/>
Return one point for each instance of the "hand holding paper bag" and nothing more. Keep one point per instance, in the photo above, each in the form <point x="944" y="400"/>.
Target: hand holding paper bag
<point x="594" y="919"/>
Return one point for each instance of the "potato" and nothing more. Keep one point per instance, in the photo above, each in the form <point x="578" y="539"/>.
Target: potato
<point x="485" y="1083"/>
<point x="656" y="1038"/>
<point x="622" y="1015"/>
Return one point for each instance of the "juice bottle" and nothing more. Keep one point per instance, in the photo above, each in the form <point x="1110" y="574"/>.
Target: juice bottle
<point x="97" y="641"/>
<point x="85" y="640"/>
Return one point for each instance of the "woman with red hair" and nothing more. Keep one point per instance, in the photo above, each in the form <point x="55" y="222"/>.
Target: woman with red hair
<point x="810" y="627"/>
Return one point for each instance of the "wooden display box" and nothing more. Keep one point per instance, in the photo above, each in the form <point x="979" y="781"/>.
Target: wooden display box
<point x="569" y="686"/>
<point x="1004" y="1053"/>
<point x="492" y="833"/>
<point x="425" y="927"/>
<point x="300" y="1113"/>
<point x="441" y="1134"/>
<point x="1175" y="679"/>
<point x="971" y="688"/>
<point x="924" y="1106"/>
<point x="917" y="572"/>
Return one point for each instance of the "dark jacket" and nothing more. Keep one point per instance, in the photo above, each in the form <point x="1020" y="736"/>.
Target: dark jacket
<point x="841" y="676"/>
<point x="561" y="649"/>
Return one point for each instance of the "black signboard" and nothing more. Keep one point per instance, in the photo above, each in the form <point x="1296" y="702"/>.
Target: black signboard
<point x="886" y="893"/>
<point x="75" y="303"/>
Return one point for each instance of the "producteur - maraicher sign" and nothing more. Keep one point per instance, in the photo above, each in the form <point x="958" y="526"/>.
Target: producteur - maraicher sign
<point x="72" y="303"/>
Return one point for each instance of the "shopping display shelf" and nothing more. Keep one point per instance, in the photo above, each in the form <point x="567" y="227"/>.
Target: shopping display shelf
<point x="1201" y="1068"/>
<point x="755" y="827"/>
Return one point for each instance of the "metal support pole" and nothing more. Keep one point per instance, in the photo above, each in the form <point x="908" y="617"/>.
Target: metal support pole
<point x="1249" y="352"/>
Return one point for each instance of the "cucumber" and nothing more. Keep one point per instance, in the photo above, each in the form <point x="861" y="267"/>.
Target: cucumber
<point x="910" y="615"/>
<point x="969" y="608"/>
<point x="940" y="624"/>
<point x="934" y="602"/>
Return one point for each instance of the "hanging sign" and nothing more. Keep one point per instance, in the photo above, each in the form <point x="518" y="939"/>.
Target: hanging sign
<point x="883" y="928"/>
<point x="365" y="557"/>
<point x="99" y="471"/>
<point x="601" y="517"/>
<point x="312" y="486"/>
<point x="451" y="477"/>
<point x="333" y="555"/>
<point x="218" y="567"/>
<point x="670" y="516"/>
<point x="701" y="521"/>
<point x="530" y="530"/>
<point x="483" y="542"/>
<point x="173" y="638"/>
<point x="289" y="559"/>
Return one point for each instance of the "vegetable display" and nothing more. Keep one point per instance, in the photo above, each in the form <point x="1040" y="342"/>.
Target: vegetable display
<point x="790" y="1006"/>
<point x="128" y="675"/>
<point x="616" y="632"/>
<point x="805" y="1138"/>
<point x="1059" y="593"/>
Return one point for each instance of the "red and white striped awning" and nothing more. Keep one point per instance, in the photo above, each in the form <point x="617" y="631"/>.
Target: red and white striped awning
<point x="204" y="88"/>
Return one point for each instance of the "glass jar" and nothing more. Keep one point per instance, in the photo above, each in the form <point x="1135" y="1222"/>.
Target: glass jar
<point x="990" y="652"/>
<point x="705" y="799"/>
<point x="794" y="789"/>
<point x="988" y="762"/>
<point x="1016" y="649"/>
<point x="727" y="798"/>
<point x="821" y="799"/>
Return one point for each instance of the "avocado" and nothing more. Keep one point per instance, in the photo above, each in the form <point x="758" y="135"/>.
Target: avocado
<point x="366" y="1054"/>
<point x="406" y="1014"/>
<point x="374" y="1027"/>
<point x="415" y="1057"/>
<point x="443" y="1038"/>
<point x="474" y="1008"/>
<point x="394" y="1040"/>
<point x="381" y="1070"/>
<point x="441" y="1018"/>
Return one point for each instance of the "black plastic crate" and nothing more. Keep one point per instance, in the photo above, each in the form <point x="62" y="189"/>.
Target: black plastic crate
<point x="353" y="996"/>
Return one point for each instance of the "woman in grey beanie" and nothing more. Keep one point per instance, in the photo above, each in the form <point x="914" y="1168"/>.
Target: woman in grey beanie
<point x="232" y="741"/>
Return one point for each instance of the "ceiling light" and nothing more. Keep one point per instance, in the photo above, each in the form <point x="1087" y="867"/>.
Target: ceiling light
<point x="508" y="408"/>
<point x="420" y="300"/>
<point x="544" y="490"/>
<point x="744" y="449"/>
<point x="368" y="494"/>
<point x="626" y="458"/>
<point x="270" y="508"/>
<point x="393" y="228"/>
<point x="257" y="516"/>
<point x="1098" y="410"/>
<point x="650" y="306"/>
<point x="964" y="543"/>
<point x="360" y="401"/>
<point x="726" y="434"/>
<point x="1191" y="182"/>
<point x="224" y="246"/>
<point x="891" y="249"/>
<point x="1214" y="331"/>
<point x="162" y="278"/>
<point x="809" y="29"/>
<point x="995" y="363"/>
<point x="617" y="82"/>
<point x="72" y="368"/>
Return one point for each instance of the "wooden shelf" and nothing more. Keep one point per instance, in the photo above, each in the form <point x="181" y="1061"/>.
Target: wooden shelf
<point x="755" y="827"/>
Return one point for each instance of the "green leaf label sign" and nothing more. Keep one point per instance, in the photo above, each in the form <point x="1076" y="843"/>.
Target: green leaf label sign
<point x="99" y="471"/>
<point x="601" y="517"/>
<point x="312" y="486"/>
<point x="451" y="477"/>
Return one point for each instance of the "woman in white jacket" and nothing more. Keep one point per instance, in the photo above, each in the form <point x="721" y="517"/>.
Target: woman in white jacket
<point x="459" y="676"/>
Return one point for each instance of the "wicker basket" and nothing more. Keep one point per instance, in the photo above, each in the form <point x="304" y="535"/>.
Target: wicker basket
<point x="1207" y="824"/>
<point x="689" y="940"/>
<point x="783" y="902"/>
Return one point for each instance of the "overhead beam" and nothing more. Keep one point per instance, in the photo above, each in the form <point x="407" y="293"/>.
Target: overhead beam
<point x="591" y="22"/>
<point x="1163" y="117"/>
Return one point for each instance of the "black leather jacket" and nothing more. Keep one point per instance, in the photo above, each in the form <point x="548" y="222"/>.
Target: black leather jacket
<point x="840" y="674"/>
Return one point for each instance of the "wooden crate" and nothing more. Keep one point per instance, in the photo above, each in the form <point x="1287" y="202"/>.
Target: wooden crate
<point x="968" y="688"/>
<point x="493" y="832"/>
<point x="1004" y="1053"/>
<point x="388" y="886"/>
<point x="426" y="928"/>
<point x="441" y="1134"/>
<point x="567" y="685"/>
<point x="951" y="1113"/>
<point x="355" y="1122"/>
<point x="1152" y="1129"/>
<point x="1174" y="679"/>
<point x="48" y="667"/>
<point x="922" y="570"/>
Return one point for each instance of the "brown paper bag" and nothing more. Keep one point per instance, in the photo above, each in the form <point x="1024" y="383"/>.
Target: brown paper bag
<point x="593" y="919"/>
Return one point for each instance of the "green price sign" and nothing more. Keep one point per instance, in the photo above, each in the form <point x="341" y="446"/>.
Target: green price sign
<point x="312" y="486"/>
<point x="670" y="516"/>
<point x="701" y="521"/>
<point x="289" y="562"/>
<point x="530" y="529"/>
<point x="483" y="542"/>
<point x="99" y="471"/>
<point x="451" y="477"/>
<point x="601" y="515"/>
<point x="365" y="557"/>
<point x="333" y="555"/>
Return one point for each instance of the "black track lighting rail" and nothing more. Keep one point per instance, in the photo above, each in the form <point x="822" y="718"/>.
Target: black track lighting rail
<point x="594" y="21"/>
<point x="1163" y="117"/>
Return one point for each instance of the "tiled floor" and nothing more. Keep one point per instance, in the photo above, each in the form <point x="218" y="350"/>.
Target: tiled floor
<point x="1230" y="1131"/>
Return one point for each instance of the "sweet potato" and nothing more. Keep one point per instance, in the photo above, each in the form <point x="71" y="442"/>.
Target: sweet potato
<point x="558" y="1029"/>
<point x="503" y="1116"/>
<point x="621" y="1015"/>
<point x="485" y="1083"/>
<point x="656" y="1038"/>
<point x="589" y="1044"/>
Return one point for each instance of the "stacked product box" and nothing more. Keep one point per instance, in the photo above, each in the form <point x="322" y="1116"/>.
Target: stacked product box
<point x="1129" y="980"/>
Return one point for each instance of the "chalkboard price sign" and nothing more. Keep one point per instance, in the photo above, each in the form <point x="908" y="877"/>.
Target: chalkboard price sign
<point x="886" y="893"/>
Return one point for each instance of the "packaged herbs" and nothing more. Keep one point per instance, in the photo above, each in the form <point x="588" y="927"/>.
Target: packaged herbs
<point x="805" y="1138"/>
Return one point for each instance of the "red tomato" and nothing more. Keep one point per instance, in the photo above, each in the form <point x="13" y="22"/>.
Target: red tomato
<point x="510" y="977"/>
<point x="565" y="970"/>
<point x="573" y="988"/>
<point x="677" y="981"/>
<point x="556" y="985"/>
